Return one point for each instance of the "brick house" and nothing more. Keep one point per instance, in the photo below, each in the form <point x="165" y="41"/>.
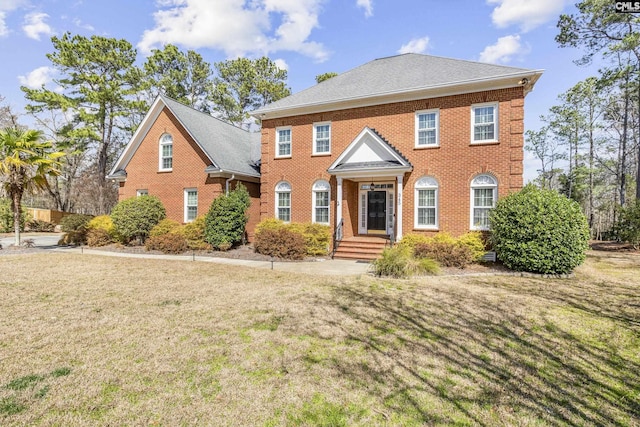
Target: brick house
<point x="409" y="143"/>
<point x="188" y="158"/>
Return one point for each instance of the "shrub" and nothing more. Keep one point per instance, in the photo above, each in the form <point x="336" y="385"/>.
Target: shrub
<point x="170" y="243"/>
<point x="399" y="262"/>
<point x="135" y="217"/>
<point x="165" y="226"/>
<point x="628" y="224"/>
<point x="448" y="254"/>
<point x="539" y="231"/>
<point x="6" y="216"/>
<point x="74" y="222"/>
<point x="194" y="233"/>
<point x="40" y="226"/>
<point x="317" y="238"/>
<point x="103" y="222"/>
<point x="281" y="243"/>
<point x="227" y="218"/>
<point x="98" y="237"/>
<point x="270" y="224"/>
<point x="412" y="239"/>
<point x="473" y="240"/>
<point x="78" y="237"/>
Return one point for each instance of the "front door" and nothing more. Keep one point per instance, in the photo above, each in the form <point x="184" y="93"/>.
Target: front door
<point x="376" y="211"/>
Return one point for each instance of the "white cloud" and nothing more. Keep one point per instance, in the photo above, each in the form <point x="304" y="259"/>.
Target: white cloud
<point x="34" y="25"/>
<point x="527" y="14"/>
<point x="504" y="50"/>
<point x="367" y="5"/>
<point x="78" y="23"/>
<point x="237" y="27"/>
<point x="281" y="63"/>
<point x="7" y="6"/>
<point x="415" y="46"/>
<point x="37" y="78"/>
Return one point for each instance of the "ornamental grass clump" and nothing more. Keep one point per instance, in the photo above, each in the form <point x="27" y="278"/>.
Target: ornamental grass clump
<point x="539" y="231"/>
<point x="399" y="262"/>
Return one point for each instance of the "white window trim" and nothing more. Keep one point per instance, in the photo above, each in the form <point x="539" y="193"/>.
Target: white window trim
<point x="416" y="198"/>
<point x="277" y="191"/>
<point x="186" y="206"/>
<point x="315" y="145"/>
<point x="142" y="192"/>
<point x="417" y="130"/>
<point x="160" y="157"/>
<point x="471" y="198"/>
<point x="326" y="187"/>
<point x="278" y="129"/>
<point x="496" y="127"/>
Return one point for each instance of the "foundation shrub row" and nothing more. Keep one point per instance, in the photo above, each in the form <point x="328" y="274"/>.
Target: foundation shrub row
<point x="307" y="239"/>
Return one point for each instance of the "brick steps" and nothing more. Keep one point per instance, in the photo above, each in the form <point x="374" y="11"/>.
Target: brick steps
<point x="366" y="248"/>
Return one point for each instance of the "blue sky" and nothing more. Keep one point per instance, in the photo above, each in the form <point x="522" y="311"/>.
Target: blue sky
<point x="308" y="37"/>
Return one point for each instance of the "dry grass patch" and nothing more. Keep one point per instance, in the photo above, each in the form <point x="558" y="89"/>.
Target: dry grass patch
<point x="90" y="340"/>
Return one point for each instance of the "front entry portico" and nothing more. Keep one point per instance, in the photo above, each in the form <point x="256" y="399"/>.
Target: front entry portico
<point x="378" y="171"/>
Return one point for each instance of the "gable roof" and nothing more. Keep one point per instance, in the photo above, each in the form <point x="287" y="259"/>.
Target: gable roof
<point x="402" y="77"/>
<point x="230" y="149"/>
<point x="369" y="154"/>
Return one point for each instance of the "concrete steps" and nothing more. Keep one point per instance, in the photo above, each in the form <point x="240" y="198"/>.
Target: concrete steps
<point x="366" y="248"/>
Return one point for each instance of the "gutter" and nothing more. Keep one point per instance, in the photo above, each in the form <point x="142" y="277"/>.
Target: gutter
<point x="233" y="175"/>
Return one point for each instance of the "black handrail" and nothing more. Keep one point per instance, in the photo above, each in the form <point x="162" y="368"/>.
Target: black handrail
<point x="337" y="237"/>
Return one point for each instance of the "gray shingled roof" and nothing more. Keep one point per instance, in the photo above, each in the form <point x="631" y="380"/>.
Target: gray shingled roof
<point x="230" y="148"/>
<point x="395" y="74"/>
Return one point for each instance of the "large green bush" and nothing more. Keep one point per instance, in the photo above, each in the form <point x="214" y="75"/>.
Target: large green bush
<point x="539" y="231"/>
<point x="227" y="218"/>
<point x="6" y="216"/>
<point x="628" y="224"/>
<point x="135" y="217"/>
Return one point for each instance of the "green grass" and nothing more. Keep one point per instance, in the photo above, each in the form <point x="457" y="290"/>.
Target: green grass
<point x="247" y="347"/>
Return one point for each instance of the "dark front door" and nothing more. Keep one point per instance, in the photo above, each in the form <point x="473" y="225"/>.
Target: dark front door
<point x="377" y="210"/>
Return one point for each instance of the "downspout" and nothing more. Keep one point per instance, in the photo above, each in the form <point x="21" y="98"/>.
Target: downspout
<point x="233" y="175"/>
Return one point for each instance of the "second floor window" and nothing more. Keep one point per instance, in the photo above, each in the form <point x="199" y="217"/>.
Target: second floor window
<point x="322" y="138"/>
<point x="484" y="121"/>
<point x="427" y="128"/>
<point x="283" y="142"/>
<point x="166" y="152"/>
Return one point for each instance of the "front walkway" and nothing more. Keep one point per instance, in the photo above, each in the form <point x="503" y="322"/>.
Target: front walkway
<point x="331" y="267"/>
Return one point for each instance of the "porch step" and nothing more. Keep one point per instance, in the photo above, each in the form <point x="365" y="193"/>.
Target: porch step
<point x="361" y="247"/>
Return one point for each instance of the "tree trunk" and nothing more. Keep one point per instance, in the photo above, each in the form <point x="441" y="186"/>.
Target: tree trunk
<point x="638" y="142"/>
<point x="16" y="198"/>
<point x="625" y="124"/>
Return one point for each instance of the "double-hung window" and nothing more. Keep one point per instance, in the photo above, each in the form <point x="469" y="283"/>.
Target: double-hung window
<point x="190" y="204"/>
<point x="426" y="203"/>
<point x="166" y="152"/>
<point x="484" y="123"/>
<point x="322" y="138"/>
<point x="321" y="197"/>
<point x="427" y="124"/>
<point x="142" y="192"/>
<point x="484" y="191"/>
<point x="283" y="201"/>
<point x="283" y="142"/>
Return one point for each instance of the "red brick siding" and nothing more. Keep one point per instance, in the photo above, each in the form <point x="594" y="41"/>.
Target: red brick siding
<point x="189" y="163"/>
<point x="454" y="163"/>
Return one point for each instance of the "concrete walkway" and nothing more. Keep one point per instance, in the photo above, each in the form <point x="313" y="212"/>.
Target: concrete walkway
<point x="330" y="267"/>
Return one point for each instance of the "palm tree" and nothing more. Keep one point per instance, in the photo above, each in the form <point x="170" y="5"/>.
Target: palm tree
<point x="25" y="162"/>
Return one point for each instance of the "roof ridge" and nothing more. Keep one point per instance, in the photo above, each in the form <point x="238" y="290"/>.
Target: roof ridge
<point x="398" y="152"/>
<point x="165" y="97"/>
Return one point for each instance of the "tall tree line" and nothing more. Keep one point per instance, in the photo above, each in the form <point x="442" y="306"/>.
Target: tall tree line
<point x="101" y="95"/>
<point x="589" y="142"/>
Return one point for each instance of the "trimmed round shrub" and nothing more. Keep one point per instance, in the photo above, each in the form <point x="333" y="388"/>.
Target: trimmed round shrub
<point x="227" y="218"/>
<point x="281" y="243"/>
<point x="135" y="217"/>
<point x="165" y="226"/>
<point x="98" y="237"/>
<point x="539" y="231"/>
<point x="74" y="222"/>
<point x="170" y="243"/>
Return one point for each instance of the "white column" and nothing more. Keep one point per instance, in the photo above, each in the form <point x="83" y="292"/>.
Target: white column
<point x="339" y="203"/>
<point x="399" y="208"/>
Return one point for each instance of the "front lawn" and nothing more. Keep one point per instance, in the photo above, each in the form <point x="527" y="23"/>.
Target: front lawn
<point x="90" y="340"/>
